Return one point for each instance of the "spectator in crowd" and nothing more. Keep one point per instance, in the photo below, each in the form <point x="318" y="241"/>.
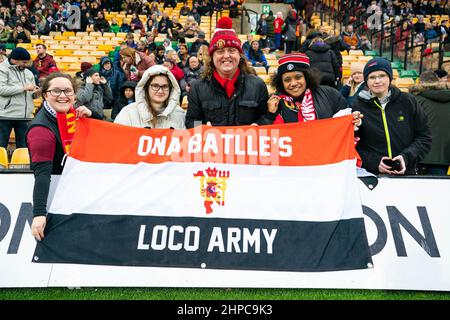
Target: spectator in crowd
<point x="142" y="46"/>
<point x="183" y="55"/>
<point x="136" y="24"/>
<point x="151" y="45"/>
<point x="130" y="41"/>
<point x="364" y="43"/>
<point x="17" y="88"/>
<point x="419" y="26"/>
<point x="167" y="45"/>
<point x="445" y="31"/>
<point x="192" y="72"/>
<point x="266" y="44"/>
<point x="85" y="66"/>
<point x="289" y="31"/>
<point x="4" y="32"/>
<point x="261" y="27"/>
<point x="247" y="44"/>
<point x="45" y="144"/>
<point x="197" y="17"/>
<point x="191" y="28"/>
<point x="185" y="10"/>
<point x="172" y="66"/>
<point x="157" y="102"/>
<point x="3" y="56"/>
<point x="430" y="34"/>
<point x="160" y="54"/>
<point x="165" y="25"/>
<point x="20" y="35"/>
<point x="26" y="24"/>
<point x="442" y="75"/>
<point x="434" y="97"/>
<point x="277" y="29"/>
<point x="401" y="37"/>
<point x="270" y="25"/>
<point x="324" y="59"/>
<point x="41" y="25"/>
<point x="125" y="27"/>
<point x="200" y="41"/>
<point x="114" y="76"/>
<point x="256" y="56"/>
<point x="95" y="93"/>
<point x="203" y="55"/>
<point x="100" y="23"/>
<point x="299" y="96"/>
<point x="177" y="28"/>
<point x="394" y="136"/>
<point x="351" y="38"/>
<point x="134" y="63"/>
<point x="43" y="61"/>
<point x="355" y="83"/>
<point x="126" y="97"/>
<point x="337" y="45"/>
<point x="229" y="94"/>
<point x="114" y="26"/>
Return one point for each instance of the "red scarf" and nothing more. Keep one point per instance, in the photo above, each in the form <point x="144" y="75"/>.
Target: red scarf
<point x="227" y="84"/>
<point x="306" y="110"/>
<point x="66" y="126"/>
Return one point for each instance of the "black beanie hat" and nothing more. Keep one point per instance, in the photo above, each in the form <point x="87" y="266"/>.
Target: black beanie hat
<point x="20" y="54"/>
<point x="377" y="64"/>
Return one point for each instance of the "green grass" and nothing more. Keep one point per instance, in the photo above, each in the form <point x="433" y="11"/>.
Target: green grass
<point x="214" y="294"/>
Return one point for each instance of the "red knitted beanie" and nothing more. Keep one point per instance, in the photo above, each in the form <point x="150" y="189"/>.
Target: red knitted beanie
<point x="224" y="36"/>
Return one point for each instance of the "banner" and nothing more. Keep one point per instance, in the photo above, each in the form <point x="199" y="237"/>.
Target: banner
<point x="406" y="219"/>
<point x="282" y="198"/>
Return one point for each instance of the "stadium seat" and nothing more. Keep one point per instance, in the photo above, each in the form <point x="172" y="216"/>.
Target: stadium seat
<point x="371" y="53"/>
<point x="184" y="103"/>
<point x="20" y="159"/>
<point x="3" y="158"/>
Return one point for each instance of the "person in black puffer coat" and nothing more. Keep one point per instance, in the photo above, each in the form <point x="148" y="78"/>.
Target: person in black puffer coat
<point x="324" y="59"/>
<point x="229" y="94"/>
<point x="125" y="97"/>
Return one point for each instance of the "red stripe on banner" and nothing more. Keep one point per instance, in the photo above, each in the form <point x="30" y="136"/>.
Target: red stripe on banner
<point x="317" y="142"/>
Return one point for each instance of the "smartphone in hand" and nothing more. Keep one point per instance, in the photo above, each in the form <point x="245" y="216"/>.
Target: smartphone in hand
<point x="395" y="165"/>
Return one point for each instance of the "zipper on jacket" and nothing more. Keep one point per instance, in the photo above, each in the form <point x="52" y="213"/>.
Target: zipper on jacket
<point x="386" y="129"/>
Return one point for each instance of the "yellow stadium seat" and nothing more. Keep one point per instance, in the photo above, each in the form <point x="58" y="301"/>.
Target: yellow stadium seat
<point x="448" y="172"/>
<point x="3" y="158"/>
<point x="27" y="46"/>
<point x="71" y="59"/>
<point x="260" y="70"/>
<point x="68" y="33"/>
<point x="355" y="53"/>
<point x="62" y="53"/>
<point x="20" y="159"/>
<point x="184" y="103"/>
<point x="55" y="33"/>
<point x="95" y="34"/>
<point x="81" y="34"/>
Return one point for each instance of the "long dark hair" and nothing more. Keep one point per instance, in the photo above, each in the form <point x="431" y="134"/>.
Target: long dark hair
<point x="312" y="78"/>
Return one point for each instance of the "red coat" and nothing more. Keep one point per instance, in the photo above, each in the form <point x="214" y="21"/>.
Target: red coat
<point x="43" y="65"/>
<point x="177" y="73"/>
<point x="278" y="25"/>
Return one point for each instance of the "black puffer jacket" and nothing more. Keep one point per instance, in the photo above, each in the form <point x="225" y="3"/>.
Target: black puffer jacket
<point x="208" y="101"/>
<point x="323" y="58"/>
<point x="327" y="102"/>
<point x="435" y="100"/>
<point x="405" y="128"/>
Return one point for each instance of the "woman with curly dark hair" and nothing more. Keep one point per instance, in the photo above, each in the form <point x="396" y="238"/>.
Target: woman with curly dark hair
<point x="299" y="97"/>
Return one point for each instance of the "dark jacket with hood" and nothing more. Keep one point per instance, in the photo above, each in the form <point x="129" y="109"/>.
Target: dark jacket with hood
<point x="401" y="128"/>
<point x="337" y="45"/>
<point x="122" y="101"/>
<point x="270" y="18"/>
<point x="435" y="100"/>
<point x="208" y="101"/>
<point x="115" y="76"/>
<point x="323" y="58"/>
<point x="190" y="75"/>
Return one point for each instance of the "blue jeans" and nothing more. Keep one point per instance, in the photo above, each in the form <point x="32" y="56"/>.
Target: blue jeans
<point x="20" y="128"/>
<point x="277" y="40"/>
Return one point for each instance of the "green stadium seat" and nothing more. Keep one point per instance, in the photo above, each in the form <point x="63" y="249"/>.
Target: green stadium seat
<point x="370" y="53"/>
<point x="408" y="74"/>
<point x="397" y="65"/>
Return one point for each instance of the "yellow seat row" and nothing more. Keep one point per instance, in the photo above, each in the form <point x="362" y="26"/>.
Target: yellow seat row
<point x="20" y="159"/>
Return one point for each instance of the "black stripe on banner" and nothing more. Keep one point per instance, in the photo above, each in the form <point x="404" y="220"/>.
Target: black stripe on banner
<point x="213" y="243"/>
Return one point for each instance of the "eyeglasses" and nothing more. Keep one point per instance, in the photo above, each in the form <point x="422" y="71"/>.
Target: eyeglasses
<point x="156" y="87"/>
<point x="57" y="92"/>
<point x="380" y="77"/>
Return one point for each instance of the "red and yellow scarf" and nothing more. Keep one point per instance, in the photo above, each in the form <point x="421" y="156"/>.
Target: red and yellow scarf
<point x="66" y="125"/>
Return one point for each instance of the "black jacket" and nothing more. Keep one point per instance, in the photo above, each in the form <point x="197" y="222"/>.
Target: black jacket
<point x="323" y="58"/>
<point x="327" y="102"/>
<point x="208" y="101"/>
<point x="122" y="101"/>
<point x="435" y="100"/>
<point x="407" y="130"/>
